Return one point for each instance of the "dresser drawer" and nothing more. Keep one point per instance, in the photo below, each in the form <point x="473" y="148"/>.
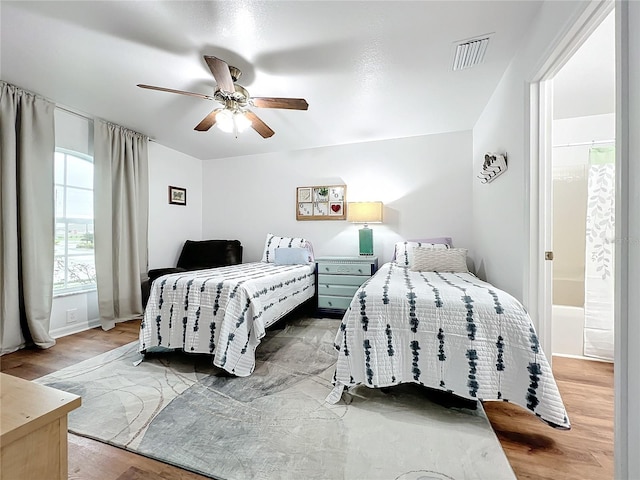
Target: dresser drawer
<point x="337" y="290"/>
<point x="344" y="268"/>
<point x="327" y="301"/>
<point x="341" y="280"/>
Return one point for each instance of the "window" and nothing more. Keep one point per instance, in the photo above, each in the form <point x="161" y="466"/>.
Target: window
<point x="74" y="268"/>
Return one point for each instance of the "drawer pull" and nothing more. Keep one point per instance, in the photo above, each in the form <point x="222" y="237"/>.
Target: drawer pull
<point x="359" y="270"/>
<point x="330" y="304"/>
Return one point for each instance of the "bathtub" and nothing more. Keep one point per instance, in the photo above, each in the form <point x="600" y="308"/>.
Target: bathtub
<point x="567" y="330"/>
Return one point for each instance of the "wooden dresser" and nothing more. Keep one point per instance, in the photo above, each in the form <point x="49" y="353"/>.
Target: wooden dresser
<point x="33" y="430"/>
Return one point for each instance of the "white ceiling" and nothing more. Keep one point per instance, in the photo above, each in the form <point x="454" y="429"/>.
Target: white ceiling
<point x="585" y="85"/>
<point x="369" y="70"/>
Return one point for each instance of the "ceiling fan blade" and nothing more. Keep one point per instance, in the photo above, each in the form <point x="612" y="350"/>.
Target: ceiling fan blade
<point x="272" y="102"/>
<point x="181" y="92"/>
<point x="221" y="73"/>
<point x="258" y="125"/>
<point x="207" y="122"/>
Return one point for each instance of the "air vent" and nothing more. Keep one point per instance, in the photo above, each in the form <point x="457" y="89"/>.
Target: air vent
<point x="470" y="52"/>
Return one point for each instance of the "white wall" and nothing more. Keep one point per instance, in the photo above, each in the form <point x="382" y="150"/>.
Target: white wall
<point x="170" y="225"/>
<point x="424" y="183"/>
<point x="500" y="208"/>
<point x="73" y="132"/>
<point x="593" y="128"/>
<point x="85" y="313"/>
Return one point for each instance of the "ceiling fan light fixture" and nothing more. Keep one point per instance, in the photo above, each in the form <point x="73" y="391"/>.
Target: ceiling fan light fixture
<point x="241" y="121"/>
<point x="232" y="122"/>
<point x="224" y="120"/>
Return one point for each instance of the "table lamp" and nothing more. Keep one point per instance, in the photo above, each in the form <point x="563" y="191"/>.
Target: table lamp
<point x="365" y="212"/>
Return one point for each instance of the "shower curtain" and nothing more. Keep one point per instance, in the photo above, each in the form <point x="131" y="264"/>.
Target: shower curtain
<point x="599" y="261"/>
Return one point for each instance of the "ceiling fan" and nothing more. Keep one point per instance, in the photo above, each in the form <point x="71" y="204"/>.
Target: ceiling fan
<point x="235" y="115"/>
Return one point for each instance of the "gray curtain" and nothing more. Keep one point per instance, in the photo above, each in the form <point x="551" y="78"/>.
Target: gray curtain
<point x="27" y="146"/>
<point x="121" y="205"/>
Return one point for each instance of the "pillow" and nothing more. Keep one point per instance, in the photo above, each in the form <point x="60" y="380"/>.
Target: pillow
<point x="403" y="253"/>
<point x="439" y="260"/>
<point x="273" y="241"/>
<point x="291" y="256"/>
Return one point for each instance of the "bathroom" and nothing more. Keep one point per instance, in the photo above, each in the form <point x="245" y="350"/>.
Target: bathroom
<point x="583" y="177"/>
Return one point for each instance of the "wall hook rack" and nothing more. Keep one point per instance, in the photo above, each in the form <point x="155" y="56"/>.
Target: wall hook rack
<point x="495" y="164"/>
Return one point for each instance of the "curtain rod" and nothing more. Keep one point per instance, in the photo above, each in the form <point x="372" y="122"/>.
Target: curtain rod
<point x="582" y="144"/>
<point x="55" y="104"/>
<point x="72" y="112"/>
<point x="87" y="117"/>
<point x="81" y="115"/>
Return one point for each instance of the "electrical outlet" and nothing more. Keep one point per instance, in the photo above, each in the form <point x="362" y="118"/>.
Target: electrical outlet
<point x="72" y="315"/>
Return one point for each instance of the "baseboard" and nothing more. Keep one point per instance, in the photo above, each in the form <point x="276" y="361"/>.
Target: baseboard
<point x="75" y="328"/>
<point x="581" y="357"/>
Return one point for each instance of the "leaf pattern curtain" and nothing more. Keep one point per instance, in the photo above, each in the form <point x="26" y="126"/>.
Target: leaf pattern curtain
<point x="599" y="261"/>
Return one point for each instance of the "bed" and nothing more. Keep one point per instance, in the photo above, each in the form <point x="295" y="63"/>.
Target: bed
<point x="225" y="311"/>
<point x="440" y="326"/>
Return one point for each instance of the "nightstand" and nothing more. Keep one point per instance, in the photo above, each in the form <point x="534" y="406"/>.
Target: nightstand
<point x="338" y="279"/>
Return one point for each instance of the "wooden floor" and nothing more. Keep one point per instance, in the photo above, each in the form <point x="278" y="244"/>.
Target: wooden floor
<point x="535" y="450"/>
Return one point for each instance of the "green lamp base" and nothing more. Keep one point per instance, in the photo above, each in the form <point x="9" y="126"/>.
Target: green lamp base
<point x="366" y="241"/>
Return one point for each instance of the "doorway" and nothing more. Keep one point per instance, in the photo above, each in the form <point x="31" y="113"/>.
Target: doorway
<point x="627" y="356"/>
<point x="582" y="179"/>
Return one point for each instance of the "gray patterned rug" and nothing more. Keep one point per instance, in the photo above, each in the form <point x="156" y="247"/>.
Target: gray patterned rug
<point x="179" y="409"/>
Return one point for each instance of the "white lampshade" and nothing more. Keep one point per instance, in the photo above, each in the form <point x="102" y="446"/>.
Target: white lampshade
<point x="364" y="212"/>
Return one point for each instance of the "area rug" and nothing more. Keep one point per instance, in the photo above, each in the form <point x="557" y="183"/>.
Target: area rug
<point x="179" y="409"/>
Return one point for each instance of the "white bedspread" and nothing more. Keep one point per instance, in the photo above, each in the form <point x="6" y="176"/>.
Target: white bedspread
<point x="448" y="331"/>
<point x="223" y="311"/>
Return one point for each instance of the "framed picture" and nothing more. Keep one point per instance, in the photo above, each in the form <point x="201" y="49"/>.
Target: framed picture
<point x="177" y="195"/>
<point x="321" y="202"/>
